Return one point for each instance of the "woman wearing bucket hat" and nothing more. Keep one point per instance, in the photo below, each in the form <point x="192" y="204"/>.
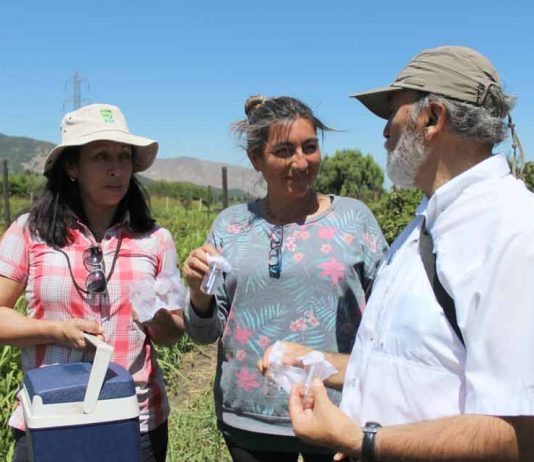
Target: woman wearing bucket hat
<point x="75" y="256"/>
<point x="302" y="264"/>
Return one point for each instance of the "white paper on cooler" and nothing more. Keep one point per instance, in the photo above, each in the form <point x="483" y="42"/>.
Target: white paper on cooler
<point x="149" y="295"/>
<point x="283" y="376"/>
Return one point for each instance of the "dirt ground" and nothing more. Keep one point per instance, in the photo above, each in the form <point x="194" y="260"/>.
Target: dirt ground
<point x="196" y="374"/>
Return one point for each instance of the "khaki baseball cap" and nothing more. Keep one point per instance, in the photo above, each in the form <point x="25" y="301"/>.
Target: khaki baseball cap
<point x="101" y="122"/>
<point x="456" y="72"/>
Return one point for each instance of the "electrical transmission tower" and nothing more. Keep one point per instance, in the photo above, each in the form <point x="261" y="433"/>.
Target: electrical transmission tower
<point x="76" y="81"/>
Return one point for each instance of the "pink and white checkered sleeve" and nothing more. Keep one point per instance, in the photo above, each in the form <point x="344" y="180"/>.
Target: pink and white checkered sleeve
<point x="168" y="261"/>
<point x="14" y="251"/>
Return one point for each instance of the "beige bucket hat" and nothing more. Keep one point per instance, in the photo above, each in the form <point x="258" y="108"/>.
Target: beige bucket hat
<point x="97" y="122"/>
<point x="457" y="72"/>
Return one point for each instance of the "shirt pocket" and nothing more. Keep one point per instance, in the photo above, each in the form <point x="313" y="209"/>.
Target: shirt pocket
<point x="417" y="331"/>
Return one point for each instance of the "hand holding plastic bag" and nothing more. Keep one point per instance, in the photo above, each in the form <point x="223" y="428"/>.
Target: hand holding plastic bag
<point x="149" y="295"/>
<point x="282" y="376"/>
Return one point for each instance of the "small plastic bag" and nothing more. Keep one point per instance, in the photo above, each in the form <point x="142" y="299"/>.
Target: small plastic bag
<point x="282" y="377"/>
<point x="149" y="295"/>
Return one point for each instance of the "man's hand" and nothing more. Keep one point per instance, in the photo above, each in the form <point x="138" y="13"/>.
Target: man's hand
<point x="70" y="332"/>
<point x="292" y="351"/>
<point x="317" y="420"/>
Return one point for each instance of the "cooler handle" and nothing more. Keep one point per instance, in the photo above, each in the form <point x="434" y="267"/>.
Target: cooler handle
<point x="98" y="372"/>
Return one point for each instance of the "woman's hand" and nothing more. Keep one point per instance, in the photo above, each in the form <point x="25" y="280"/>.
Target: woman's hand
<point x="195" y="268"/>
<point x="292" y="351"/>
<point x="70" y="332"/>
<point x="166" y="327"/>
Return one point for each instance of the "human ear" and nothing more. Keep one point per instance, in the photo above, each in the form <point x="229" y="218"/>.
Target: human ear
<point x="436" y="117"/>
<point x="71" y="170"/>
<point x="254" y="159"/>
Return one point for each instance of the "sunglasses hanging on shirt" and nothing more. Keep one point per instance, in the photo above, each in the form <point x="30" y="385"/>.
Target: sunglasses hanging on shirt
<point x="276" y="238"/>
<point x="96" y="281"/>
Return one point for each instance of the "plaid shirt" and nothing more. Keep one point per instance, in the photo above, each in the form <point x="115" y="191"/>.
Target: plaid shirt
<point x="51" y="295"/>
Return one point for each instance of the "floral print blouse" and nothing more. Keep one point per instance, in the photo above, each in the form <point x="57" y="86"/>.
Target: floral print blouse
<point x="327" y="267"/>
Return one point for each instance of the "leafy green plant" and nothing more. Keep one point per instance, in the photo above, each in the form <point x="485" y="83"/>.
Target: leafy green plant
<point x="10" y="378"/>
<point x="528" y="175"/>
<point x="394" y="210"/>
<point x="350" y="173"/>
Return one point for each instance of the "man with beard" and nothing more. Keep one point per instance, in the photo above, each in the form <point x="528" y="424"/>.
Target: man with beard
<point x="441" y="368"/>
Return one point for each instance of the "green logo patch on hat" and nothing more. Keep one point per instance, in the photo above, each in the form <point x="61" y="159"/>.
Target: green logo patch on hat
<point x="107" y="115"/>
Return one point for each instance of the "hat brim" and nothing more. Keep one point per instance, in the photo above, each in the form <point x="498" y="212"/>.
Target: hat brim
<point x="145" y="152"/>
<point x="378" y="100"/>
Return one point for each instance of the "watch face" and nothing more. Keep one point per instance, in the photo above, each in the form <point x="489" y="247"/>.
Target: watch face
<point x="372" y="426"/>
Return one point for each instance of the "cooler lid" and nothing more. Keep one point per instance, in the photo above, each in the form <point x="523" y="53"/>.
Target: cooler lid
<point x="67" y="383"/>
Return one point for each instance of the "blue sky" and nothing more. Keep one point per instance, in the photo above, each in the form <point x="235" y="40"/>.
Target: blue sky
<point x="181" y="71"/>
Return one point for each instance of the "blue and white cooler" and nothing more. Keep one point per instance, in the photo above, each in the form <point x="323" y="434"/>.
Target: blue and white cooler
<point x="81" y="411"/>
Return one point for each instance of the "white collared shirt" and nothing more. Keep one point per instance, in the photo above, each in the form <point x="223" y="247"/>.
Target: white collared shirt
<point x="407" y="364"/>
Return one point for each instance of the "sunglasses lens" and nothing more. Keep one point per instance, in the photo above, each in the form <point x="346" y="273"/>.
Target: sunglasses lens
<point x="96" y="282"/>
<point x="275" y="263"/>
<point x="275" y="254"/>
<point x="92" y="256"/>
<point x="274" y="259"/>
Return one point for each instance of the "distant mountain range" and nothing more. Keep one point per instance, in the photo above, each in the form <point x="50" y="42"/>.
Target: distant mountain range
<point x="24" y="154"/>
<point x="206" y="173"/>
<point x="29" y="155"/>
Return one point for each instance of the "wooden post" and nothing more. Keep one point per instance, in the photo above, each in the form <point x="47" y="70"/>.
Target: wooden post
<point x="209" y="201"/>
<point x="5" y="189"/>
<point x="224" y="187"/>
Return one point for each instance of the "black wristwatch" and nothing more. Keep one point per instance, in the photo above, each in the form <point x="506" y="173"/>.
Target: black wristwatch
<point x="368" y="444"/>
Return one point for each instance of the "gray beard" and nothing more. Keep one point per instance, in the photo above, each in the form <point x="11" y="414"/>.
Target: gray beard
<point x="405" y="159"/>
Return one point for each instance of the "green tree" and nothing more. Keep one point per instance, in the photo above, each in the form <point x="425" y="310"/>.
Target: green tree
<point x="350" y="173"/>
<point x="528" y="175"/>
<point x="187" y="201"/>
<point x="25" y="184"/>
<point x="395" y="210"/>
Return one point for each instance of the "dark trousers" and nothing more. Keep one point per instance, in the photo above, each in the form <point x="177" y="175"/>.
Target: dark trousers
<point x="153" y="445"/>
<point x="240" y="454"/>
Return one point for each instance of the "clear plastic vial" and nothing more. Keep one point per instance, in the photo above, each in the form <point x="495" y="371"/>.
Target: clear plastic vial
<point x="270" y="388"/>
<point x="212" y="279"/>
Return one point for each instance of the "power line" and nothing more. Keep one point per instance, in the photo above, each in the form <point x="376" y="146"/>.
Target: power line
<point x="76" y="81"/>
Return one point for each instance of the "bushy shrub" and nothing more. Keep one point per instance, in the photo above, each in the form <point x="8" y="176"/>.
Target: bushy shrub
<point x="394" y="210"/>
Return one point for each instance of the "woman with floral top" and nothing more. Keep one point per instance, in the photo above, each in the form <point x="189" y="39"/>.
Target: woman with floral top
<point x="302" y="267"/>
<point x="74" y="256"/>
